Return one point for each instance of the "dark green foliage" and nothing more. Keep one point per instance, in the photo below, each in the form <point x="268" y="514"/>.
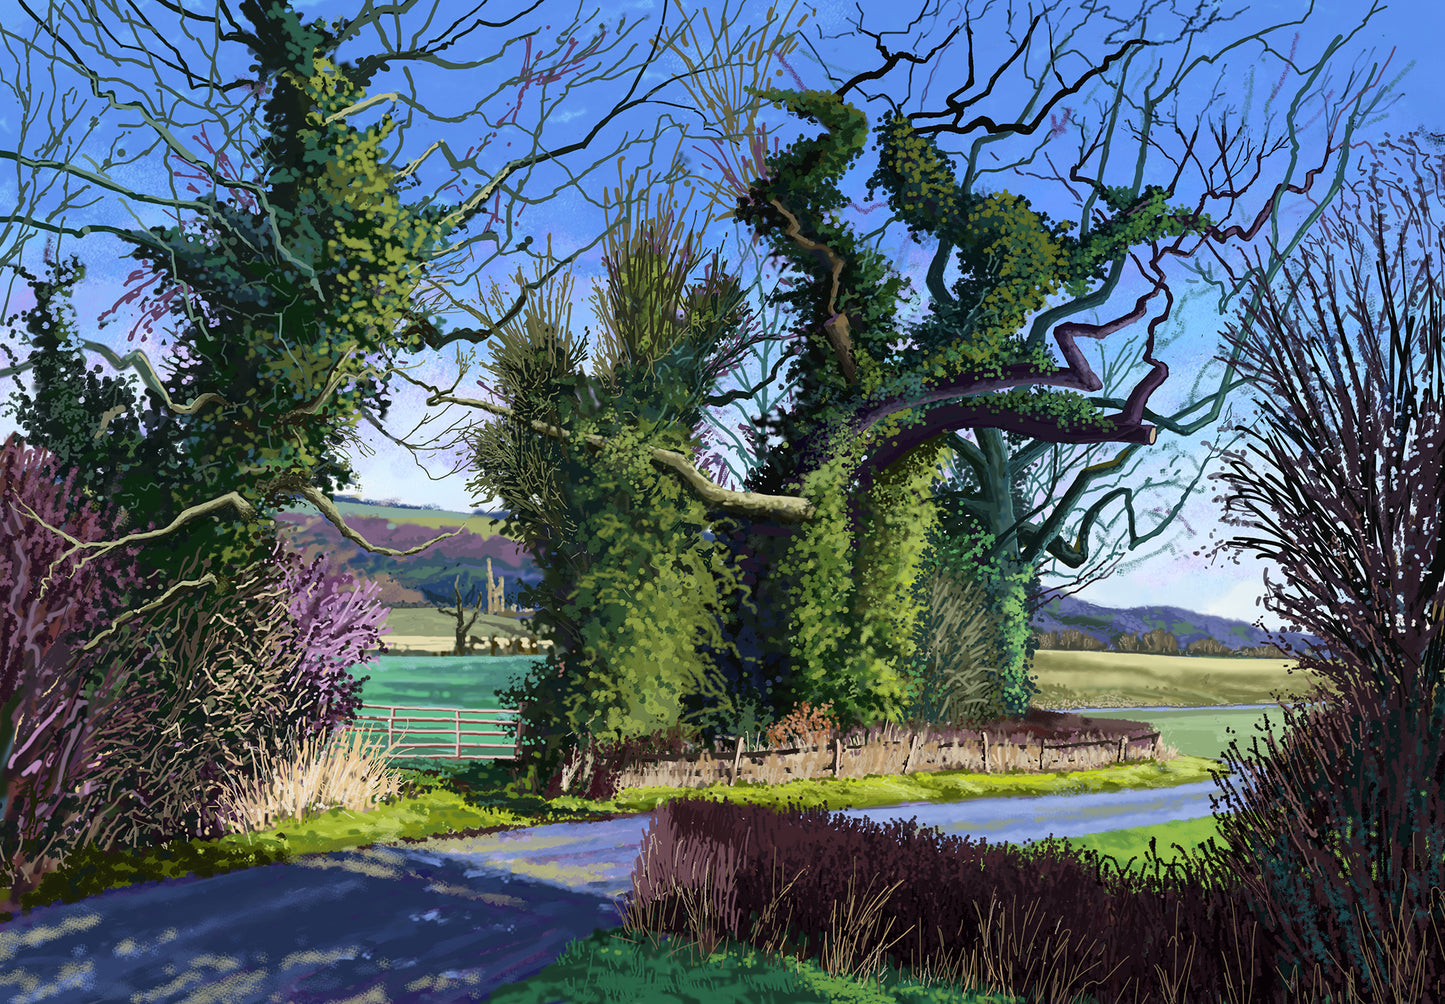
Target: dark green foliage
<point x="68" y="408"/>
<point x="285" y="301"/>
<point x="1010" y="259"/>
<point x="538" y="695"/>
<point x="837" y="622"/>
<point x="849" y="634"/>
<point x="92" y="421"/>
<point x="629" y="590"/>
<point x="91" y="424"/>
<point x="637" y="610"/>
<point x="759" y="673"/>
<point x="278" y="302"/>
<point x="803" y="177"/>
<point x="841" y="277"/>
<point x="974" y="328"/>
<point x="924" y="193"/>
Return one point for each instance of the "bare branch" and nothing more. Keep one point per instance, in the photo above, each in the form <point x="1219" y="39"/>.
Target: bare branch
<point x="333" y="516"/>
<point x="837" y="323"/>
<point x="209" y="579"/>
<point x="99" y="548"/>
<point x="137" y="360"/>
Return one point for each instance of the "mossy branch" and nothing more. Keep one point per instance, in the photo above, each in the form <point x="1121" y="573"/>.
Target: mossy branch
<point x="103" y="547"/>
<point x="783" y="508"/>
<point x="836" y="326"/>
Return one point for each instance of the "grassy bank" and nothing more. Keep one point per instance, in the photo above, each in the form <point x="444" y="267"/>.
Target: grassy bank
<point x="338" y="799"/>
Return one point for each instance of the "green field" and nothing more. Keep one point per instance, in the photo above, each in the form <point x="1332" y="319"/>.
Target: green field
<point x="1111" y="679"/>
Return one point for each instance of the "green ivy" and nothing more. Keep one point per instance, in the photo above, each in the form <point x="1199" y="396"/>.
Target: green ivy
<point x="892" y="553"/>
<point x="657" y="590"/>
<point x="1136" y="220"/>
<point x="632" y="593"/>
<point x="849" y="578"/>
<point x="853" y="607"/>
<point x="305" y="290"/>
<point x="638" y="591"/>
<point x="959" y="551"/>
<point x="803" y="177"/>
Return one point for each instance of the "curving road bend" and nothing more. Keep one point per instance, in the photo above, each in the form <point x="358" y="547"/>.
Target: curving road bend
<point x="444" y="920"/>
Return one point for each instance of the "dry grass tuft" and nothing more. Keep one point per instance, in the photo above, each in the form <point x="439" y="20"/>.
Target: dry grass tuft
<point x="310" y="780"/>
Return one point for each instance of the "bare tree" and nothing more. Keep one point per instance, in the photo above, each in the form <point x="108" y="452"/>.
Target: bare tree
<point x="464" y="624"/>
<point x="1336" y="831"/>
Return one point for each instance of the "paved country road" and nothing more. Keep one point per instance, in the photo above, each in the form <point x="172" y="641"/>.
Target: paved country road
<point x="439" y="921"/>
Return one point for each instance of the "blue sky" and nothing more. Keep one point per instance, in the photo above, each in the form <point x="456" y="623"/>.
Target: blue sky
<point x="1163" y="570"/>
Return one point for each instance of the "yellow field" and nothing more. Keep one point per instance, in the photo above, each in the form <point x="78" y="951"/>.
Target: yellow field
<point x="1156" y="680"/>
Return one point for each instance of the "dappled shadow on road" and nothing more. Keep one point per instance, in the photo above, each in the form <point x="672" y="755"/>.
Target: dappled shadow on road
<point x="368" y="924"/>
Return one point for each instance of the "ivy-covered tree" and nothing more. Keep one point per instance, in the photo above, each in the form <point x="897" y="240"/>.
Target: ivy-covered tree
<point x="1008" y="260"/>
<point x="299" y="276"/>
<point x="631" y="593"/>
<point x="992" y="494"/>
<point x="832" y="525"/>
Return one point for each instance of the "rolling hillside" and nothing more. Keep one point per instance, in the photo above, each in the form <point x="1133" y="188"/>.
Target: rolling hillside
<point x="415" y="580"/>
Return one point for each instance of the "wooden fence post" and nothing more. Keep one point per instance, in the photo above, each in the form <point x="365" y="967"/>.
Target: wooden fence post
<point x="913" y="738"/>
<point x="737" y="759"/>
<point x="517" y="746"/>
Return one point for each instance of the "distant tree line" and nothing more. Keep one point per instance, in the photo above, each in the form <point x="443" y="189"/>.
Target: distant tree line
<point x="1156" y="642"/>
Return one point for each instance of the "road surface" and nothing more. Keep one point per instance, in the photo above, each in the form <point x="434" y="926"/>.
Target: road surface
<point x="438" y="921"/>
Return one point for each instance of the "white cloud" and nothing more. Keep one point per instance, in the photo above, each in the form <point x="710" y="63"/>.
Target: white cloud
<point x="1238" y="603"/>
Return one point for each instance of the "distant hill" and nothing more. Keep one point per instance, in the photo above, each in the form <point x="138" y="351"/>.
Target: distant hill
<point x="427" y="577"/>
<point x="420" y="579"/>
<point x="1103" y="623"/>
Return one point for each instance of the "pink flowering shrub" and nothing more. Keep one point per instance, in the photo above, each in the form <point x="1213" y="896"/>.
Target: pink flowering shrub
<point x="338" y="623"/>
<point x="49" y="608"/>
